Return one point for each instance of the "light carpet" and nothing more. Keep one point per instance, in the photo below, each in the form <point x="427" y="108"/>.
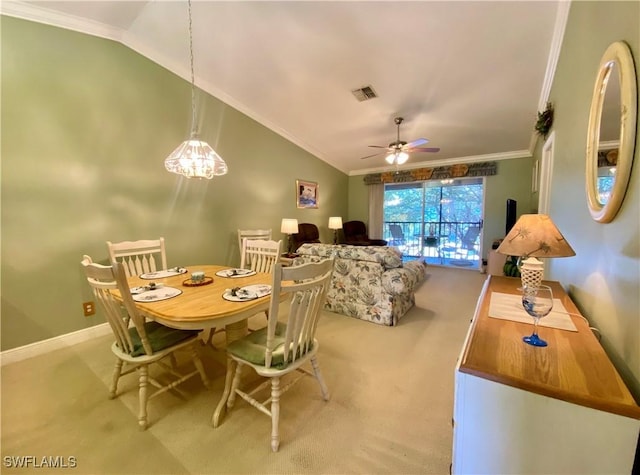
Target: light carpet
<point x="389" y="413"/>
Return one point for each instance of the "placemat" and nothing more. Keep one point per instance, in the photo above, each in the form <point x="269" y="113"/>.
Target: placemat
<point x="249" y="292"/>
<point x="146" y="288"/>
<point x="509" y="307"/>
<point x="161" y="274"/>
<point x="235" y="273"/>
<point x="162" y="293"/>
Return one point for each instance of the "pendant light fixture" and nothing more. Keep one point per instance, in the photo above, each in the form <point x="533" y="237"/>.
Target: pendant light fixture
<point x="195" y="158"/>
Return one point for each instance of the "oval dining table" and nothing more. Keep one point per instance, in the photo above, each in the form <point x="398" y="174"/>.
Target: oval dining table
<point x="202" y="307"/>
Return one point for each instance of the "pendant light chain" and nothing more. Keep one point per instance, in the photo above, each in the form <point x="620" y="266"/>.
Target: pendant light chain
<point x="193" y="79"/>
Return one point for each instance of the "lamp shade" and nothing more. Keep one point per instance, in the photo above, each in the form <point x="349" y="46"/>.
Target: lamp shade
<point x="195" y="159"/>
<point x="289" y="226"/>
<point x="397" y="157"/>
<point x="535" y="235"/>
<point x="335" y="222"/>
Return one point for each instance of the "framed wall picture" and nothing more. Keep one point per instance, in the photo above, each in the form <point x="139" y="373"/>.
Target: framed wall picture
<point x="306" y="194"/>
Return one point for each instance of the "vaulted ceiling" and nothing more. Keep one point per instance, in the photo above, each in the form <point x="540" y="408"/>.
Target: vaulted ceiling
<point x="470" y="76"/>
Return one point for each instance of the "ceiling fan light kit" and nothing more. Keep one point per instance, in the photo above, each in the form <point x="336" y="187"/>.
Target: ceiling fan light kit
<point x="397" y="157"/>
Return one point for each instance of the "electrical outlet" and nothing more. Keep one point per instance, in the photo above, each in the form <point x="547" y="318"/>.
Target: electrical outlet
<point x="89" y="308"/>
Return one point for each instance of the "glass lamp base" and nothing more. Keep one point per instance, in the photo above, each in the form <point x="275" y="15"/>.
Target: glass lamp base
<point x="534" y="340"/>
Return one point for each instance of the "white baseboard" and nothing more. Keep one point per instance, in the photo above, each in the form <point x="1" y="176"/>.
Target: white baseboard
<point x="45" y="346"/>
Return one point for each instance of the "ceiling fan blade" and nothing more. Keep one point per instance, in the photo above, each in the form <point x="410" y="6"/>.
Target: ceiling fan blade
<point x="373" y="155"/>
<point x="424" y="149"/>
<point x="416" y="143"/>
<point x="377" y="146"/>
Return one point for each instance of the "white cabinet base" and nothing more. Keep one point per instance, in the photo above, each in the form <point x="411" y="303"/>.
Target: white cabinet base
<point x="499" y="429"/>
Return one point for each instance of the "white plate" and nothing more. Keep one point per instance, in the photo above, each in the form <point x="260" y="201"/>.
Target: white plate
<point x="156" y="295"/>
<point x="235" y="273"/>
<point x="250" y="292"/>
<point x="161" y="274"/>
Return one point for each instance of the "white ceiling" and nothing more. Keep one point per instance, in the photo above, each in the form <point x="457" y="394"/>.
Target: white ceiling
<point x="470" y="76"/>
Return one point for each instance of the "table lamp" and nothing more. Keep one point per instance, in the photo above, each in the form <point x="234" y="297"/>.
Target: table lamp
<point x="289" y="227"/>
<point x="335" y="223"/>
<point x="533" y="236"/>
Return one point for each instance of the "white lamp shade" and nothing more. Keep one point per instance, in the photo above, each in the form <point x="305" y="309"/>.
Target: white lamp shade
<point x="397" y="157"/>
<point x="195" y="159"/>
<point x="335" y="222"/>
<point x="289" y="226"/>
<point x="401" y="158"/>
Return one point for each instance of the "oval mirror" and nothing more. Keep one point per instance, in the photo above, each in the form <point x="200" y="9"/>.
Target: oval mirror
<point x="611" y="133"/>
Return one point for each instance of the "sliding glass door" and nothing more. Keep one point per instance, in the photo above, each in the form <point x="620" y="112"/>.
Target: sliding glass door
<point x="440" y="220"/>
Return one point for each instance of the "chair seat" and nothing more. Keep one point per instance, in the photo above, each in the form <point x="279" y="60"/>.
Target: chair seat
<point x="160" y="337"/>
<point x="252" y="347"/>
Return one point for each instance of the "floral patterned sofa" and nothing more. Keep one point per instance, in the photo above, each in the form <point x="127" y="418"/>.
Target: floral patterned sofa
<point x="369" y="282"/>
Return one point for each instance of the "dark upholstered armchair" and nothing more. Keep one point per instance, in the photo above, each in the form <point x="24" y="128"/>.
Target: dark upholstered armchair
<point x="355" y="234"/>
<point x="307" y="232"/>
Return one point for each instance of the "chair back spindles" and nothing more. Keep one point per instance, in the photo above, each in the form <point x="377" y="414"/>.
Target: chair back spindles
<point x="103" y="280"/>
<point x="308" y="292"/>
<point x="139" y="257"/>
<point x="260" y="255"/>
<point x="252" y="234"/>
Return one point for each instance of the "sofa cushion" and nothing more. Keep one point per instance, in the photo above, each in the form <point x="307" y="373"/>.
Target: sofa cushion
<point x="389" y="257"/>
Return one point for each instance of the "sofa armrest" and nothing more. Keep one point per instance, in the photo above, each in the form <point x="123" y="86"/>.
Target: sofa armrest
<point x="404" y="279"/>
<point x="417" y="267"/>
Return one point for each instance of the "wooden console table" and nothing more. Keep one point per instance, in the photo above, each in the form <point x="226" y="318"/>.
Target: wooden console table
<point x="524" y="409"/>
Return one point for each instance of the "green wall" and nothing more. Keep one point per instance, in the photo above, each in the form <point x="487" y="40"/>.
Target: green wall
<point x="604" y="276"/>
<point x="513" y="180"/>
<point x="86" y="126"/>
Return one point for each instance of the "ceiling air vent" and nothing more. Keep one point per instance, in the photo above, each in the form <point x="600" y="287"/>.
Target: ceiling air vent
<point x="364" y="93"/>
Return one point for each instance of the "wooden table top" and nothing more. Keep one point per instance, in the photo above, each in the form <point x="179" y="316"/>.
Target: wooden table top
<point x="574" y="367"/>
<point x="203" y="306"/>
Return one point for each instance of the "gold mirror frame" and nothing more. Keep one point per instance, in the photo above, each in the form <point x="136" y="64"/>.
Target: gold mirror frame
<point x="617" y="57"/>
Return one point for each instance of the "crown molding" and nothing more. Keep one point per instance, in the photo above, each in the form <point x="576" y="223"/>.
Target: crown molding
<point x="491" y="157"/>
<point x="49" y="17"/>
<point x="562" y="16"/>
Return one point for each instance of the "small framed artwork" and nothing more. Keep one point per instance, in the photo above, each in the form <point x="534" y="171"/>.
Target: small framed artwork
<point x="306" y="194"/>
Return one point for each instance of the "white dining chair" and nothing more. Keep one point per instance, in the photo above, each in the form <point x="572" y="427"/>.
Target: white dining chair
<point x="252" y="234"/>
<point x="260" y="255"/>
<point x="256" y="254"/>
<point x="138" y="343"/>
<point x="140" y="256"/>
<point x="287" y="342"/>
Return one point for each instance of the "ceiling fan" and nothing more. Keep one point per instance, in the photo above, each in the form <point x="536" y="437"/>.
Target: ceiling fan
<point x="398" y="151"/>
